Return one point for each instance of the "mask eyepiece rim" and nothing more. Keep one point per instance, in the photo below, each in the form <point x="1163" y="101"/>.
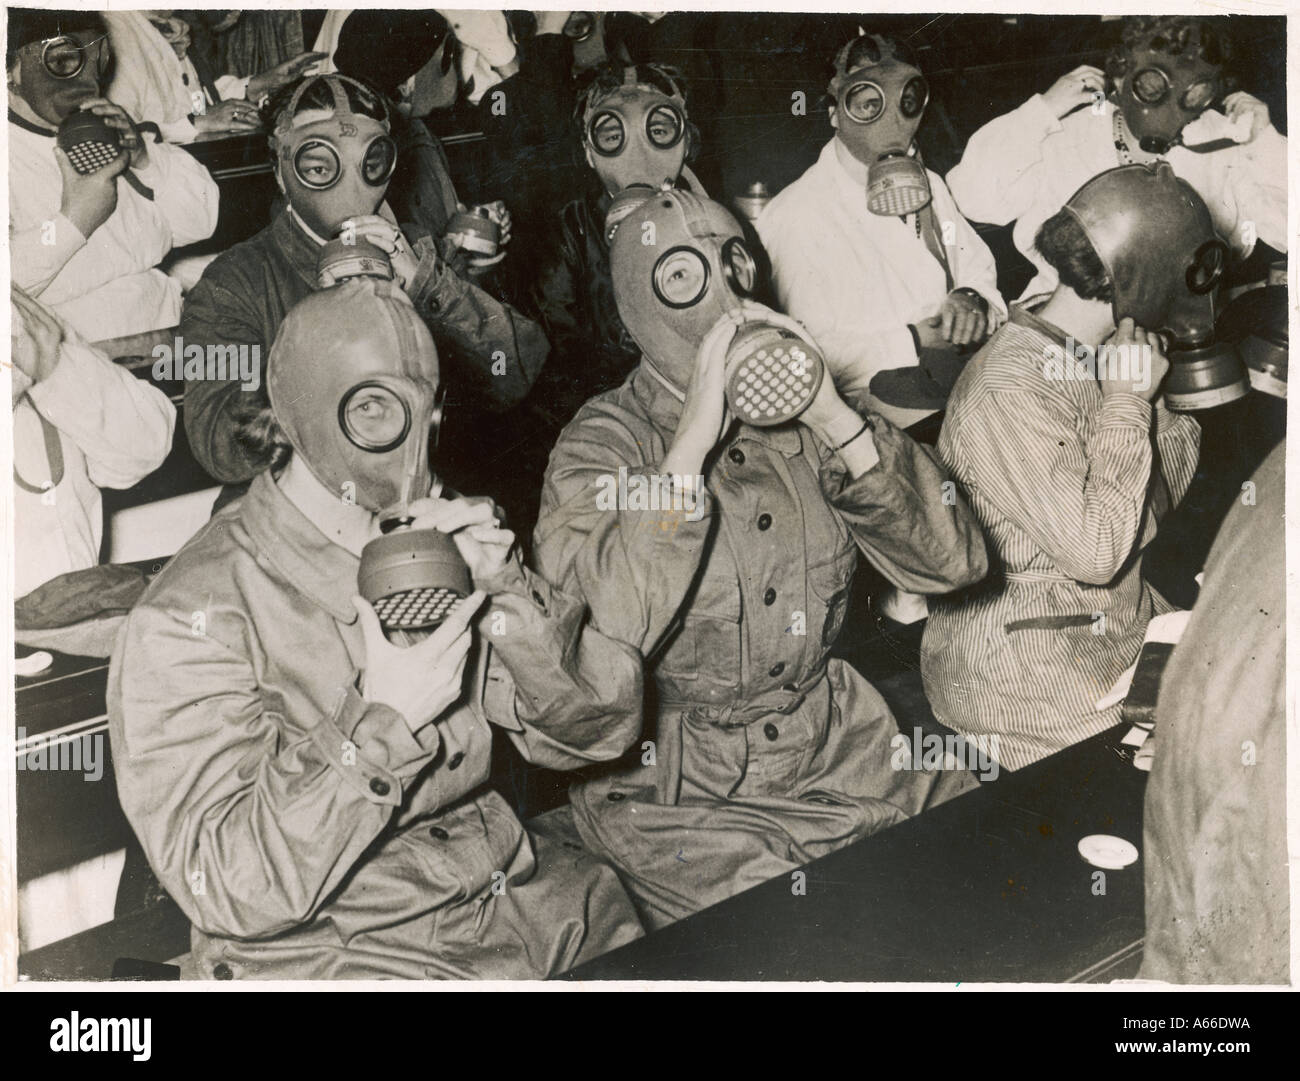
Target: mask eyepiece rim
<point x="63" y="39"/>
<point x="857" y="85"/>
<point x="596" y="118"/>
<point x="736" y="246"/>
<point x="925" y="96"/>
<point x="390" y="167"/>
<point x="314" y="144"/>
<point x="1164" y="90"/>
<point x="359" y="441"/>
<point x="657" y="274"/>
<point x="1201" y="280"/>
<point x="679" y="124"/>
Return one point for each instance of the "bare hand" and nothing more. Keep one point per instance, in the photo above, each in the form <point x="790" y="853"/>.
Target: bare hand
<point x="89" y="201"/>
<point x="1242" y="104"/>
<point x="268" y="82"/>
<point x="229" y="116"/>
<point x="37" y="336"/>
<point x="474" y="523"/>
<point x="1140" y="369"/>
<point x="382" y="233"/>
<point x="963" y="319"/>
<point x="421" y="681"/>
<point x="116" y="117"/>
<point x="704" y="413"/>
<point x="1075" y="88"/>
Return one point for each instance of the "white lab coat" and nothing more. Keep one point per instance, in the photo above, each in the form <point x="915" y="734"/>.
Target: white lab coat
<point x="113" y="431"/>
<point x="107" y="285"/>
<point x="857" y="279"/>
<point x="1024" y="166"/>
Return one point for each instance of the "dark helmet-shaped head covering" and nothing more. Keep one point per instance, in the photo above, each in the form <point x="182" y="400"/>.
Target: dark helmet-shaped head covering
<point x="28" y="25"/>
<point x="353" y="382"/>
<point x="679" y="264"/>
<point x="387" y="47"/>
<point x="1156" y="240"/>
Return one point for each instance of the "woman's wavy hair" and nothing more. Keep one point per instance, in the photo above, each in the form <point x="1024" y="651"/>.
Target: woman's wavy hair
<point x="258" y="433"/>
<point x="1063" y="243"/>
<point x="1208" y="36"/>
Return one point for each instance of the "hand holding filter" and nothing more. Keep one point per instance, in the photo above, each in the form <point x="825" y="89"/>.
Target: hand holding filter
<point x="476" y="230"/>
<point x="772" y="375"/>
<point x="413" y="578"/>
<point x="89" y="141"/>
<point x="340" y="260"/>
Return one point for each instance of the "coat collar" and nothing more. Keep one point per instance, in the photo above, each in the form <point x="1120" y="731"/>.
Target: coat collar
<point x="315" y="566"/>
<point x="296" y="245"/>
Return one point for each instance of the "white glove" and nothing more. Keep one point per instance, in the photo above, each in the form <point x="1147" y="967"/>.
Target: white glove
<point x="486" y="32"/>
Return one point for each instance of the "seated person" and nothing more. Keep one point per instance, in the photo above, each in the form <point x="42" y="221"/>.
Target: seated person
<point x="764" y="753"/>
<point x="160" y="78"/>
<point x="635" y="130"/>
<point x="81" y="423"/>
<point x="312" y="794"/>
<point x="868" y="249"/>
<point x="1070" y="467"/>
<point x="1217" y="902"/>
<point x="409" y="56"/>
<point x="89" y="245"/>
<point x="1164" y="85"/>
<point x="333" y="160"/>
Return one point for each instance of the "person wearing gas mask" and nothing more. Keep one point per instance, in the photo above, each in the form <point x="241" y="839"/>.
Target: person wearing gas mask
<point x="307" y="770"/>
<point x="334" y="157"/>
<point x="88" y="244"/>
<point x="1059" y="435"/>
<point x="635" y="131"/>
<point x="869" y="251"/>
<point x="1167" y="93"/>
<point x="710" y="511"/>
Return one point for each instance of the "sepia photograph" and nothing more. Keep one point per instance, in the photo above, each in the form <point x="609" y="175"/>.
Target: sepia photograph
<point x="609" y="499"/>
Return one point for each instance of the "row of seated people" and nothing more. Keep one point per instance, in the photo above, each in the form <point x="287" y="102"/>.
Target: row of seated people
<point x="312" y="793"/>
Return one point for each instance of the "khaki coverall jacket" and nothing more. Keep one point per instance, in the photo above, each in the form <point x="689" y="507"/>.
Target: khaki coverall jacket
<point x="308" y="833"/>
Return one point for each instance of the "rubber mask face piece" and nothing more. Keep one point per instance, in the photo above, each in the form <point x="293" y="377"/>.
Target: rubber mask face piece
<point x="1160" y="93"/>
<point x="637" y="135"/>
<point x="353" y="382"/>
<point x="696" y="271"/>
<point x="334" y="165"/>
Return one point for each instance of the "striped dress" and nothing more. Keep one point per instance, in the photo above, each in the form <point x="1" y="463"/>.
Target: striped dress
<point x="1062" y="482"/>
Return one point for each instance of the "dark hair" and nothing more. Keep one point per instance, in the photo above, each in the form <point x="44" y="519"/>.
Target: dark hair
<point x="863" y="50"/>
<point x="31" y="24"/>
<point x="1062" y="241"/>
<point x="1208" y="36"/>
<point x="256" y="431"/>
<point x="363" y="99"/>
<point x="605" y="78"/>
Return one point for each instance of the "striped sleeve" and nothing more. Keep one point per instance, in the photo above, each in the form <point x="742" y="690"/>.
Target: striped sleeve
<point x="1079" y="501"/>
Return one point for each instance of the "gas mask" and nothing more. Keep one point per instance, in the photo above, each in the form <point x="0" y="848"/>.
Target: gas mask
<point x="1160" y="93"/>
<point x="353" y="383"/>
<point x="878" y="107"/>
<point x="334" y="165"/>
<point x="693" y="274"/>
<point x="341" y="260"/>
<point x="62" y="72"/>
<point x="636" y="135"/>
<point x="1153" y="234"/>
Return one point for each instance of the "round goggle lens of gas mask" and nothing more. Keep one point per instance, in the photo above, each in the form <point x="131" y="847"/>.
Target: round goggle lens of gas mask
<point x="914" y="98"/>
<point x="864" y="102"/>
<point x="317" y="165"/>
<point x="579" y="26"/>
<point x="742" y="272"/>
<point x="681" y="276"/>
<point x="1207" y="267"/>
<point x="1150" y="86"/>
<point x="380" y="161"/>
<point x="606" y="134"/>
<point x="664" y="126"/>
<point x="1199" y="96"/>
<point x="374" y="418"/>
<point x="63" y="58"/>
